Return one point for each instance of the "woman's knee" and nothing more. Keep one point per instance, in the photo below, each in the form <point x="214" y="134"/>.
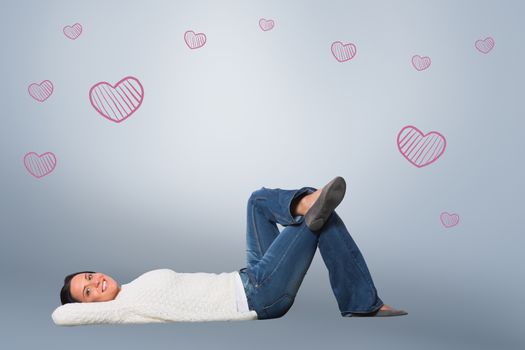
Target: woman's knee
<point x="256" y="194"/>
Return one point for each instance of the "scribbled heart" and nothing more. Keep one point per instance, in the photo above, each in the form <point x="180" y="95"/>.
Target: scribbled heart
<point x="117" y="102"/>
<point x="420" y="150"/>
<point x="449" y="220"/>
<point x="420" y="63"/>
<point x="42" y="91"/>
<point x="194" y="41"/>
<point x="485" y="45"/>
<point x="266" y="24"/>
<point x="343" y="52"/>
<point x="40" y="165"/>
<point x="73" y="32"/>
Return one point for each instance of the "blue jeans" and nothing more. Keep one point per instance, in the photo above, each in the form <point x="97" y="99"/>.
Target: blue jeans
<point x="278" y="261"/>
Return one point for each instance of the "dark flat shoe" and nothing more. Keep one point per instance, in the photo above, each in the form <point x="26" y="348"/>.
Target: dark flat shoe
<point x="381" y="313"/>
<point x="331" y="195"/>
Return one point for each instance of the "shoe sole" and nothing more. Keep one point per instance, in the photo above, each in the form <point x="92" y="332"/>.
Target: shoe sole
<point x="381" y="313"/>
<point x="331" y="195"/>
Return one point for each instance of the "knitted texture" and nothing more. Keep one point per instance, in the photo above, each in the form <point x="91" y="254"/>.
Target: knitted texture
<point x="161" y="296"/>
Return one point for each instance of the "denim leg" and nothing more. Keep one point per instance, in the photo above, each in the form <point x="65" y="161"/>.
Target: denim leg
<point x="266" y="248"/>
<point x="278" y="262"/>
<point x="350" y="279"/>
<point x="267" y="207"/>
<point x="276" y="278"/>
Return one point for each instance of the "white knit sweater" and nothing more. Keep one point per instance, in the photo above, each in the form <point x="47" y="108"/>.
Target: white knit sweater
<point x="161" y="296"/>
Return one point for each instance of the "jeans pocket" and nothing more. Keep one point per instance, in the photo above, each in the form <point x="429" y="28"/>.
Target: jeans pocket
<point x="279" y="307"/>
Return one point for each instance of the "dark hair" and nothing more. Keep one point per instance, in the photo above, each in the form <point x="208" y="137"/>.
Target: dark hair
<point x="65" y="292"/>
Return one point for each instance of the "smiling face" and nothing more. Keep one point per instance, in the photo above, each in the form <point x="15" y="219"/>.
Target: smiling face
<point x="91" y="287"/>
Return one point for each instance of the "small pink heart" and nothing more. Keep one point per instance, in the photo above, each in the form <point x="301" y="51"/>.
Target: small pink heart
<point x="73" y="32"/>
<point x="42" y="91"/>
<point x="117" y="102"/>
<point x="420" y="150"/>
<point x="420" y="63"/>
<point x="40" y="165"/>
<point x="485" y="45"/>
<point x="343" y="52"/>
<point x="449" y="220"/>
<point x="266" y="24"/>
<point x="194" y="41"/>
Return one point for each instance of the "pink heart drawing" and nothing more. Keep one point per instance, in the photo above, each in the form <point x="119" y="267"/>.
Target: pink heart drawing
<point x="485" y="45"/>
<point x="42" y="91"/>
<point x="40" y="165"/>
<point x="266" y="24"/>
<point x="449" y="220"/>
<point x="420" y="63"/>
<point x="420" y="150"/>
<point x="117" y="102"/>
<point x="343" y="52"/>
<point x="194" y="41"/>
<point x="73" y="32"/>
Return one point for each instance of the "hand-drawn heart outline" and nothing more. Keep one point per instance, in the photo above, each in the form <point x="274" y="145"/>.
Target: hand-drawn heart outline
<point x="40" y="165"/>
<point x="343" y="52"/>
<point x="41" y="91"/>
<point x="449" y="220"/>
<point x="130" y="97"/>
<point x="266" y="24"/>
<point x="72" y="32"/>
<point x="421" y="62"/>
<point x="485" y="45"/>
<point x="194" y="40"/>
<point x="438" y="151"/>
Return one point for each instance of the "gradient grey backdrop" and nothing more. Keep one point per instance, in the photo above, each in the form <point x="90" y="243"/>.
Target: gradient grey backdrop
<point x="167" y="188"/>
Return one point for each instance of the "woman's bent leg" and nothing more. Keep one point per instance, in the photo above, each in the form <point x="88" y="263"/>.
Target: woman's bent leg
<point x="270" y="251"/>
<point x="267" y="207"/>
<point x="350" y="279"/>
<point x="272" y="284"/>
<point x="278" y="262"/>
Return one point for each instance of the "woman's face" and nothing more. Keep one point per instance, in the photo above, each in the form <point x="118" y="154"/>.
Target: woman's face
<point x="90" y="287"/>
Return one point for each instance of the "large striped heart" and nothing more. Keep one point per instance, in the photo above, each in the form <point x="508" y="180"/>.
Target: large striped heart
<point x="117" y="102"/>
<point x="420" y="150"/>
<point x="42" y="91"/>
<point x="40" y="165"/>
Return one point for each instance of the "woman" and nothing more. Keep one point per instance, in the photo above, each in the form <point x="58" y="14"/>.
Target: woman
<point x="276" y="265"/>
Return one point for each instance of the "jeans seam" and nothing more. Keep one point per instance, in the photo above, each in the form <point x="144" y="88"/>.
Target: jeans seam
<point x="357" y="264"/>
<point x="254" y="225"/>
<point x="277" y="299"/>
<point x="282" y="257"/>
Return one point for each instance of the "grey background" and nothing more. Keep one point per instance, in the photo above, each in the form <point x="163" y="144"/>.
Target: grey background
<point x="167" y="188"/>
